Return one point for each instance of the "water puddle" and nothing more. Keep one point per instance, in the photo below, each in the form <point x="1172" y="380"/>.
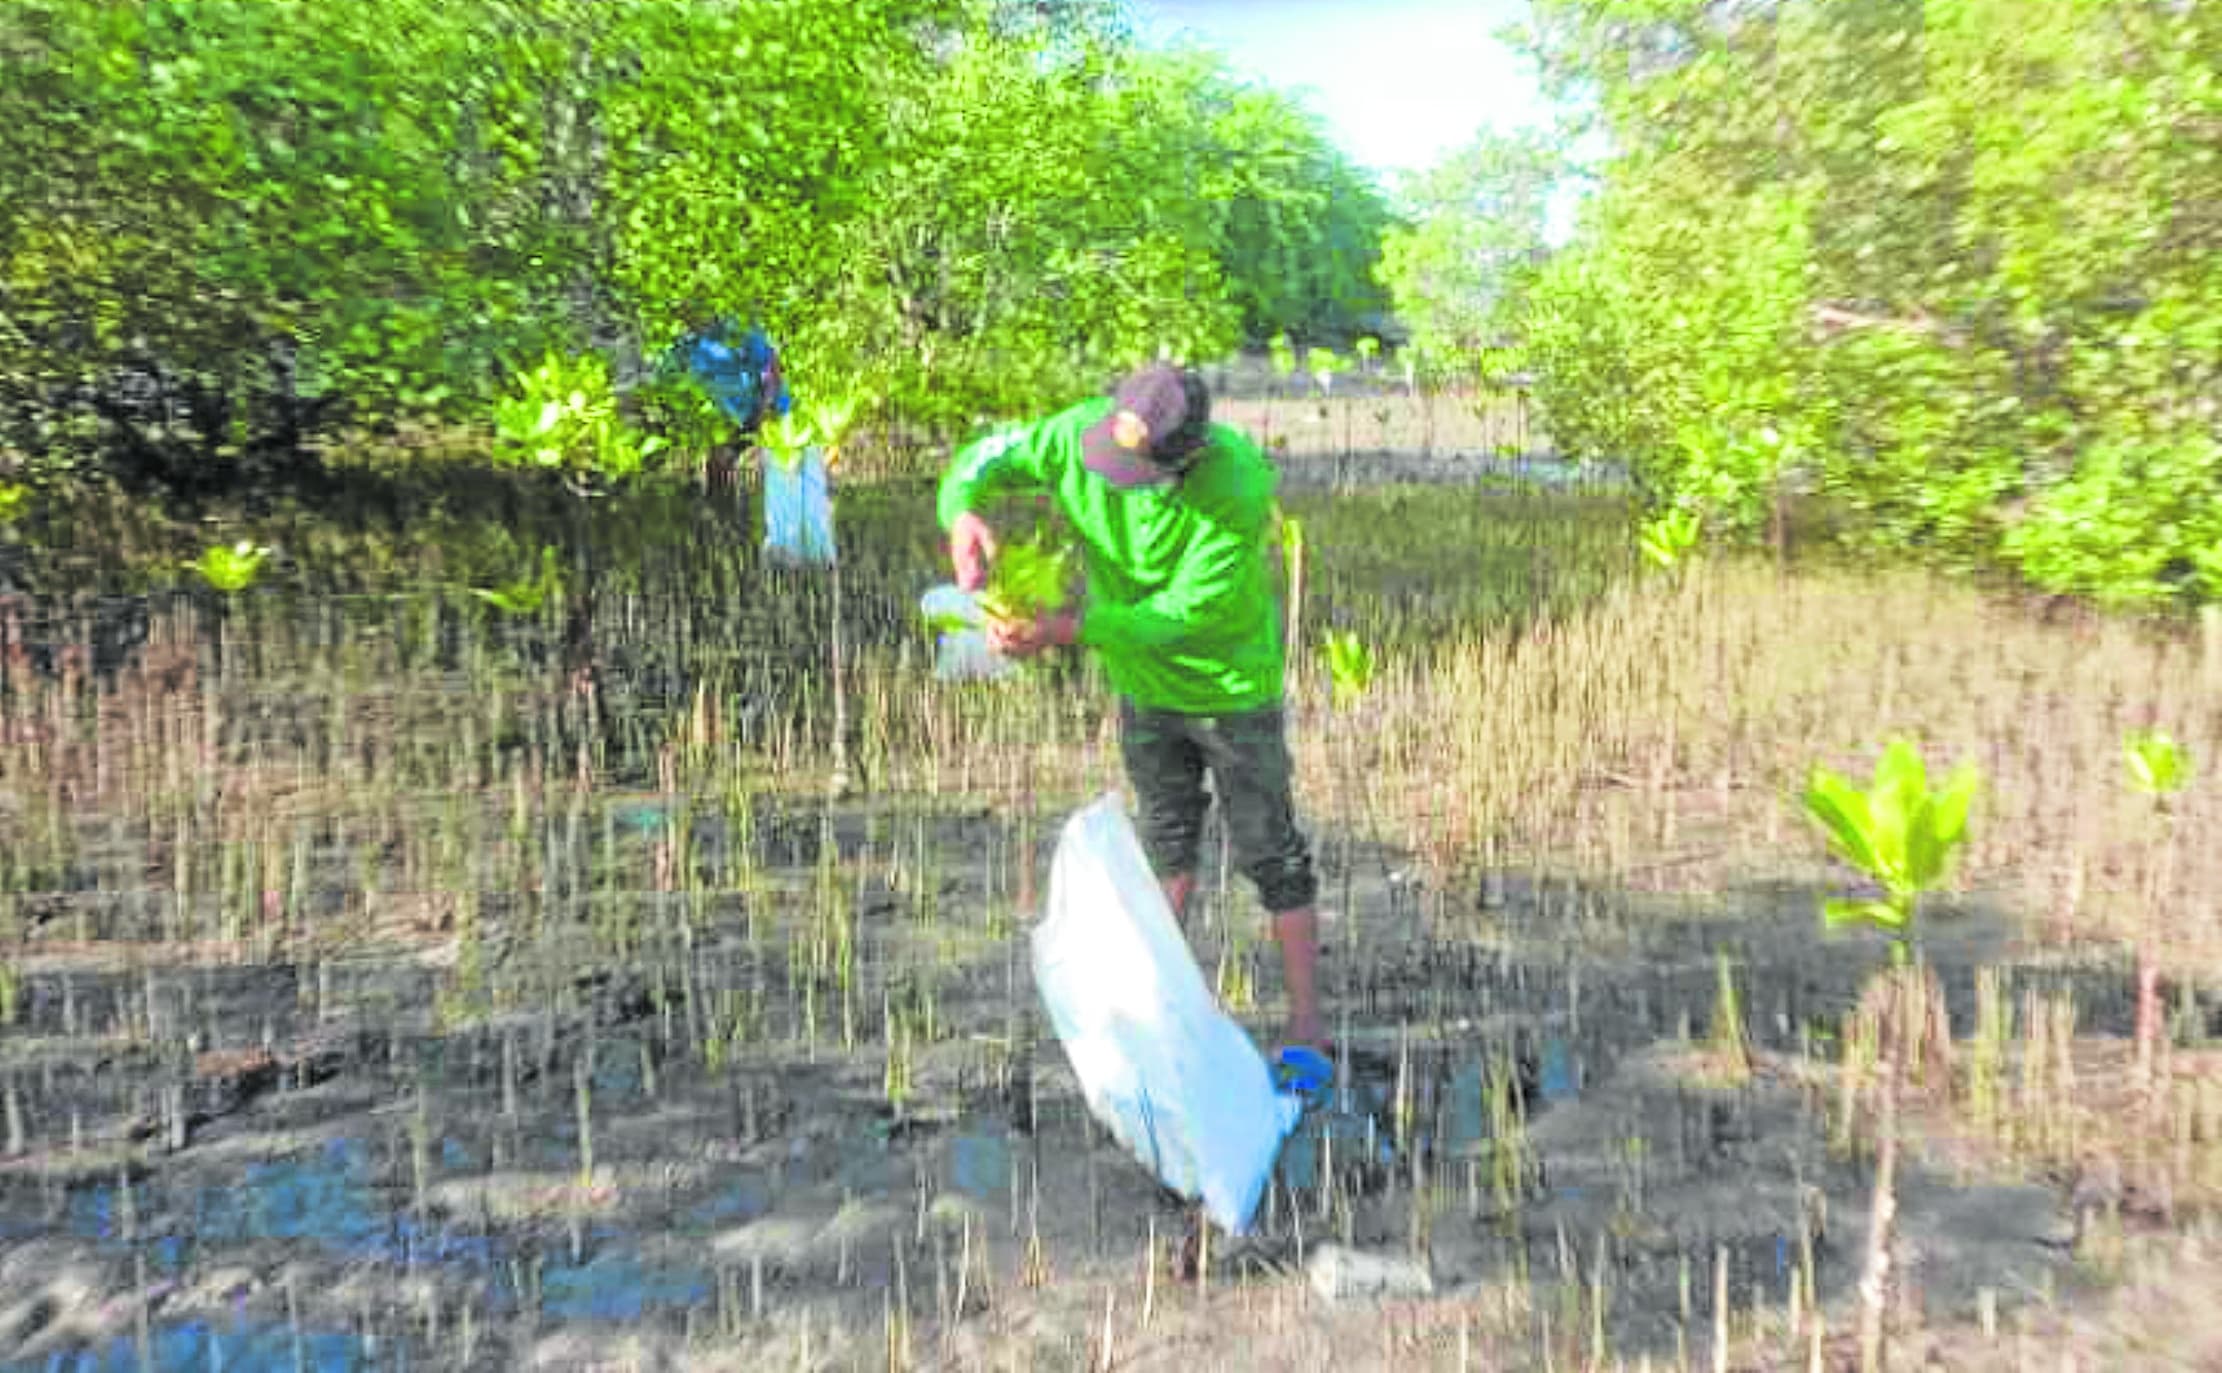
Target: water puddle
<point x="198" y="1346"/>
<point x="329" y="1197"/>
<point x="980" y="1166"/>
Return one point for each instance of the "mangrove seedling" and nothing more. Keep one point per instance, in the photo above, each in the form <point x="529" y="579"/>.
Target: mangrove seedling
<point x="1667" y="539"/>
<point x="1284" y="356"/>
<point x="829" y="419"/>
<point x="786" y="438"/>
<point x="1292" y="562"/>
<point x="1902" y="835"/>
<point x="563" y="416"/>
<point x="1029" y="578"/>
<point x="2156" y="766"/>
<point x="525" y="595"/>
<point x="231" y="569"/>
<point x="1898" y="832"/>
<point x="1350" y="666"/>
<point x="2156" y="769"/>
<point x="1350" y="669"/>
<point x="1323" y="364"/>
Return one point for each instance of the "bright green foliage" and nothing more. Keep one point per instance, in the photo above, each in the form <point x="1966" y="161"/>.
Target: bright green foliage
<point x="2156" y="763"/>
<point x="1350" y="665"/>
<point x="1667" y="538"/>
<point x="230" y="569"/>
<point x="786" y="438"/>
<point x="1030" y="577"/>
<point x="12" y="498"/>
<point x="526" y="596"/>
<point x="233" y="224"/>
<point x="266" y="211"/>
<point x="830" y="419"/>
<point x="1930" y="257"/>
<point x="563" y="416"/>
<point x="1472" y="232"/>
<point x="1323" y="365"/>
<point x="1898" y="832"/>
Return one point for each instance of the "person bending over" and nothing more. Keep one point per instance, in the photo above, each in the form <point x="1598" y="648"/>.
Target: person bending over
<point x="1174" y="513"/>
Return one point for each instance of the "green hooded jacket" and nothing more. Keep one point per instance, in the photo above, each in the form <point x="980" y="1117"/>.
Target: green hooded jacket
<point x="1182" y="607"/>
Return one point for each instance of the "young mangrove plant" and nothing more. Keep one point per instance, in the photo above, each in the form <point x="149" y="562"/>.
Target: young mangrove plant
<point x="1350" y="668"/>
<point x="526" y="595"/>
<point x="563" y="416"/>
<point x="231" y="569"/>
<point x="2157" y="770"/>
<point x="1029" y="577"/>
<point x="1901" y="835"/>
<point x="1667" y="539"/>
<point x="1292" y="563"/>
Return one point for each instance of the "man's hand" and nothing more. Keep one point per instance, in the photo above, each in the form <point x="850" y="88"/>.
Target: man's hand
<point x="1025" y="638"/>
<point x="971" y="549"/>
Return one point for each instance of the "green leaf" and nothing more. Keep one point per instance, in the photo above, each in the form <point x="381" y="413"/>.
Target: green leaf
<point x="1028" y="578"/>
<point x="1842" y="811"/>
<point x="2156" y="763"/>
<point x="1838" y="912"/>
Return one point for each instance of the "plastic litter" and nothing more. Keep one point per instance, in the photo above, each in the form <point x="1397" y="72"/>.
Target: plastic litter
<point x="963" y="654"/>
<point x="1173" y="1079"/>
<point x="798" y="510"/>
<point x="1303" y="1070"/>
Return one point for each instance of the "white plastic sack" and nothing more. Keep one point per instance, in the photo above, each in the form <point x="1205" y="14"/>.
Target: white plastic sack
<point x="1173" y="1079"/>
<point x="798" y="509"/>
<point x="963" y="654"/>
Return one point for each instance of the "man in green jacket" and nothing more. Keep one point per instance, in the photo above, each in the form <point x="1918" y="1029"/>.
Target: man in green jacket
<point x="1174" y="514"/>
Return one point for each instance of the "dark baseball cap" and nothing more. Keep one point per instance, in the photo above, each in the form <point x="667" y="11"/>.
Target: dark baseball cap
<point x="1154" y="428"/>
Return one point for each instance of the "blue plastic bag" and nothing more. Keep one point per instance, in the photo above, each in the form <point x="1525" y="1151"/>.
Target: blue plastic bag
<point x="798" y="510"/>
<point x="740" y="373"/>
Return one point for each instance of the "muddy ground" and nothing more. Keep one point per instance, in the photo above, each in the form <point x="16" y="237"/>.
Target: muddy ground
<point x="277" y="1165"/>
<point x="363" y="1148"/>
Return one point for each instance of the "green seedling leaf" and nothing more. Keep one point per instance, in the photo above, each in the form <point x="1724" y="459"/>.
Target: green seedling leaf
<point x="1350" y="663"/>
<point x="786" y="438"/>
<point x="2156" y="763"/>
<point x="230" y="569"/>
<point x="525" y="596"/>
<point x="1028" y="579"/>
<point x="1842" y="812"/>
<point x="1666" y="540"/>
<point x="1939" y="826"/>
<point x="12" y="497"/>
<point x="1880" y="914"/>
<point x="1899" y="833"/>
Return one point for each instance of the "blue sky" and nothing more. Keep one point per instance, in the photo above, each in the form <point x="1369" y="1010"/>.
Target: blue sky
<point x="1399" y="82"/>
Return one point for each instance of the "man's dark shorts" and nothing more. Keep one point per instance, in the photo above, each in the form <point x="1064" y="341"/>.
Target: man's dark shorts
<point x="1247" y="757"/>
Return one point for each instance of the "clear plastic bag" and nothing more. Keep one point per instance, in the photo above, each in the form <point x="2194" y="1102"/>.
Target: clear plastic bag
<point x="1173" y="1079"/>
<point x="798" y="510"/>
<point x="963" y="654"/>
